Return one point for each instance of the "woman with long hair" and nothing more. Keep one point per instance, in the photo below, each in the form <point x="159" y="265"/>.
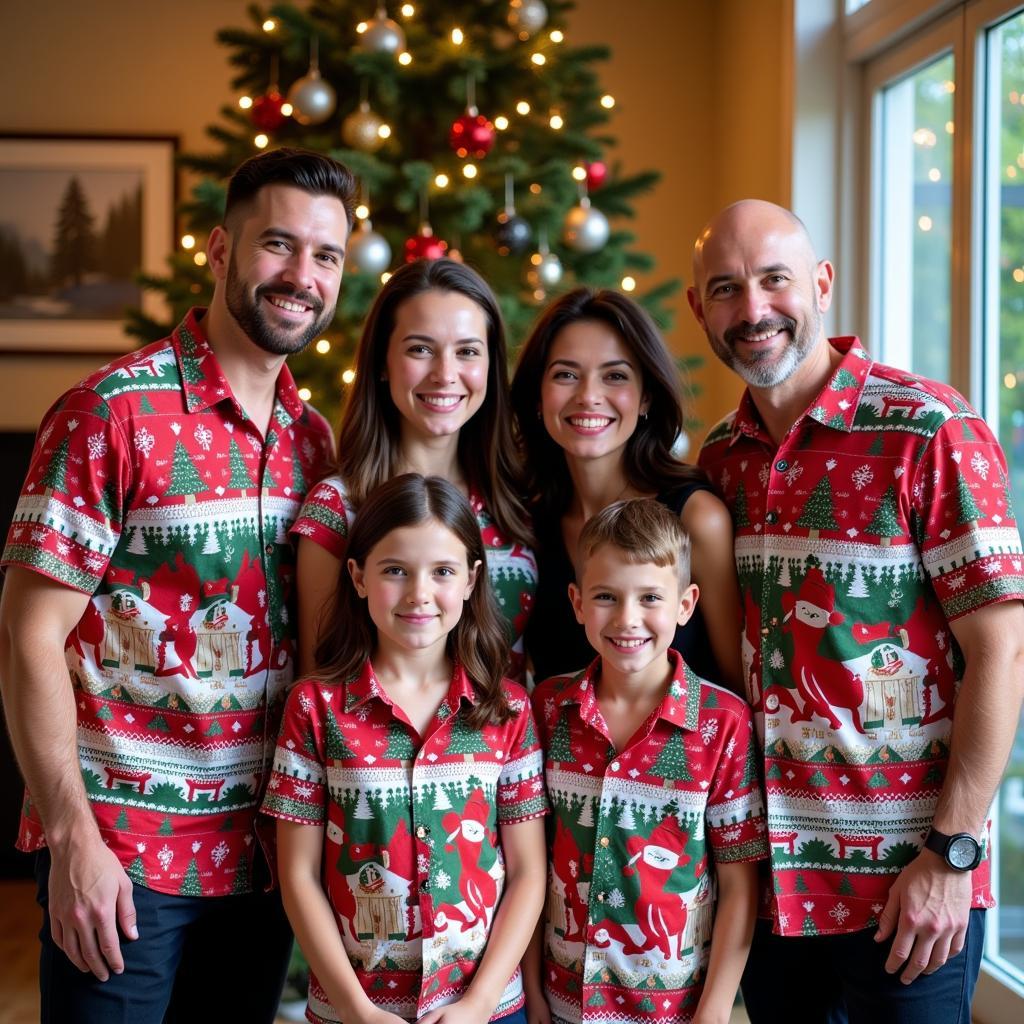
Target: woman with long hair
<point x="430" y="396"/>
<point x="599" y="408"/>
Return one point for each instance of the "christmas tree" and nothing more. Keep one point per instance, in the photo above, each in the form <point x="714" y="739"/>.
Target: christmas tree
<point x="474" y="127"/>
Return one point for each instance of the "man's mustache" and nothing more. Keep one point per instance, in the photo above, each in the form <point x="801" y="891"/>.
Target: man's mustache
<point x="745" y="330"/>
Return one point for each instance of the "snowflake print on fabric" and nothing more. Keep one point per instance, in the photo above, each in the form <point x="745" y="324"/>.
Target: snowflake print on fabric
<point x="144" y="441"/>
<point x="97" y="445"/>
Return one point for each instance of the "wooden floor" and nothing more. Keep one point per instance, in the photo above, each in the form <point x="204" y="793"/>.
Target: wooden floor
<point x="19" y="955"/>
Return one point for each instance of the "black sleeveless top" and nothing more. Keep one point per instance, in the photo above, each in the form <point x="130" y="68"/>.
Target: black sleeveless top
<point x="557" y="643"/>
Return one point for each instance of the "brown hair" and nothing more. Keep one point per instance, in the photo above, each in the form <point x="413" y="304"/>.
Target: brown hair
<point x="644" y="530"/>
<point x="479" y="641"/>
<point x="315" y="173"/>
<point x="370" y="434"/>
<point x="649" y="463"/>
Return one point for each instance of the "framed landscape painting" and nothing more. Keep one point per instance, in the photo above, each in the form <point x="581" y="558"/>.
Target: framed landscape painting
<point x="79" y="218"/>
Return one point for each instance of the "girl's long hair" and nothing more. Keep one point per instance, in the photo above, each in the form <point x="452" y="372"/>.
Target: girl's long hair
<point x="371" y="430"/>
<point x="649" y="464"/>
<point x="479" y="641"/>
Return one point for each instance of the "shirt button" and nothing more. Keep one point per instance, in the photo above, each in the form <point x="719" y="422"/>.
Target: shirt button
<point x="600" y="897"/>
<point x="425" y="885"/>
<point x="605" y="840"/>
<point x="772" y="517"/>
<point x="270" y="549"/>
<point x="421" y="832"/>
<point x="615" y="766"/>
<point x="765" y="631"/>
<point x="782" y="465"/>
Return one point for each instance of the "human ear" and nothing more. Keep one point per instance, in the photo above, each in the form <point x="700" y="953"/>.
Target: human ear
<point x="358" y="576"/>
<point x="576" y="597"/>
<point x="687" y="603"/>
<point x="693" y="297"/>
<point x="824" y="276"/>
<point x="218" y="252"/>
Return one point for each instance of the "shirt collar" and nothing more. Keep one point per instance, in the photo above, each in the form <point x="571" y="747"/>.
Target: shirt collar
<point x="204" y="382"/>
<point x="365" y="687"/>
<point x="836" y="404"/>
<point x="680" y="705"/>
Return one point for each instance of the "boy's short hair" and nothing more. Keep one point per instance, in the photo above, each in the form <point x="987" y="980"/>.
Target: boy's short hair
<point x="644" y="530"/>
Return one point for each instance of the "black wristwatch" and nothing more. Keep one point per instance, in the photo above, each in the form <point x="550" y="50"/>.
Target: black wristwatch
<point x="961" y="851"/>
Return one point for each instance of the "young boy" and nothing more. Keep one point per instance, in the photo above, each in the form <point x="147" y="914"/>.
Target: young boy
<point x="655" y="796"/>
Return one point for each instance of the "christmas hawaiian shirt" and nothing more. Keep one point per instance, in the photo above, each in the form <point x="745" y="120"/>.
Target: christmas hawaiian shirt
<point x="512" y="568"/>
<point x="412" y="862"/>
<point x="637" y="832"/>
<point x="151" y="490"/>
<point x="883" y="515"/>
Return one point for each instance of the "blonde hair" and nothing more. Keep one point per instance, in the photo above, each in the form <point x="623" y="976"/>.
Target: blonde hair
<point x="644" y="530"/>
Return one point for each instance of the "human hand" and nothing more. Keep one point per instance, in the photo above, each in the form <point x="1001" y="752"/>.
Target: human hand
<point x="90" y="896"/>
<point x="537" y="1009"/>
<point x="463" y="1011"/>
<point x="928" y="908"/>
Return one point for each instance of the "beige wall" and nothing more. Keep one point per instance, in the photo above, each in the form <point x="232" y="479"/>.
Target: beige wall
<point x="701" y="87"/>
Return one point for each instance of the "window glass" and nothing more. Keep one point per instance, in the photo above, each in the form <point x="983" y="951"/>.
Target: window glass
<point x="914" y="166"/>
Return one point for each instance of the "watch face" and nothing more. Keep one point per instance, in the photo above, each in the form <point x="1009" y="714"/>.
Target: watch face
<point x="962" y="852"/>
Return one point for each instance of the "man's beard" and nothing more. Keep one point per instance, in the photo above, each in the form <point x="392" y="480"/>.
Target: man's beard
<point x="248" y="313"/>
<point x="766" y="369"/>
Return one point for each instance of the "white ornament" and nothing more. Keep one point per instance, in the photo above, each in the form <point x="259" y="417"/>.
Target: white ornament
<point x="382" y="35"/>
<point x="586" y="229"/>
<point x="368" y="251"/>
<point x="545" y="272"/>
<point x="312" y="98"/>
<point x="527" y="16"/>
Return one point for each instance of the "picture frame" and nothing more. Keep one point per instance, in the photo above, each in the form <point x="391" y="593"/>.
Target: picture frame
<point x="80" y="215"/>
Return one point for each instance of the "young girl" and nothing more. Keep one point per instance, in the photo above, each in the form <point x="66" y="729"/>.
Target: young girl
<point x="408" y="782"/>
<point x="599" y="407"/>
<point x="430" y="396"/>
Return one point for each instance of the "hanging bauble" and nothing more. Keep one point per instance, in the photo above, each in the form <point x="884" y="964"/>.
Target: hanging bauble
<point x="512" y="232"/>
<point x="545" y="270"/>
<point x="367" y="251"/>
<point x="361" y="129"/>
<point x="424" y="246"/>
<point x="266" y="113"/>
<point x="382" y="35"/>
<point x="312" y="98"/>
<point x="585" y="229"/>
<point x="597" y="172"/>
<point x="471" y="135"/>
<point x="527" y="16"/>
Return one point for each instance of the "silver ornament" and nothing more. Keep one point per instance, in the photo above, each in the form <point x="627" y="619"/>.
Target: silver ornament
<point x="382" y="35"/>
<point x="585" y="229"/>
<point x="312" y="98"/>
<point x="545" y="272"/>
<point x="367" y="251"/>
<point x="361" y="129"/>
<point x="527" y="16"/>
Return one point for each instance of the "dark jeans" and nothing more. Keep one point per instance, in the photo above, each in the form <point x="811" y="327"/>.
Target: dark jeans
<point x="841" y="979"/>
<point x="219" y="958"/>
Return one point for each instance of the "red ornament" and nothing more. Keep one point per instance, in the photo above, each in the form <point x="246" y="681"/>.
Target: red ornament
<point x="597" y="171"/>
<point x="424" y="246"/>
<point x="471" y="135"/>
<point x="266" y="113"/>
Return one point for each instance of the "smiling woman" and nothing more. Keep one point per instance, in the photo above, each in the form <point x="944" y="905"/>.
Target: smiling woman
<point x="599" y="407"/>
<point x="430" y="395"/>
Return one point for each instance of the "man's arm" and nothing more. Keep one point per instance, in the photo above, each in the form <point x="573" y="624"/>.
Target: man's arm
<point x="89" y="893"/>
<point x="929" y="903"/>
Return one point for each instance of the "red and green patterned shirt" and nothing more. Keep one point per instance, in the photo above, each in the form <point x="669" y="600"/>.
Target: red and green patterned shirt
<point x="882" y="516"/>
<point x="512" y="569"/>
<point x="412" y="862"/>
<point x="636" y="835"/>
<point x="150" y="490"/>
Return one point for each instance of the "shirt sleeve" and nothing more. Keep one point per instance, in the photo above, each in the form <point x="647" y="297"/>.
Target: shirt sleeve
<point x="963" y="519"/>
<point x="737" y="827"/>
<point x="71" y="509"/>
<point x="297" y="788"/>
<point x="521" y="793"/>
<point x="324" y="517"/>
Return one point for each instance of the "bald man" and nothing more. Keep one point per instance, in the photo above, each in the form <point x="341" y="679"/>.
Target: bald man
<point x="881" y="573"/>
